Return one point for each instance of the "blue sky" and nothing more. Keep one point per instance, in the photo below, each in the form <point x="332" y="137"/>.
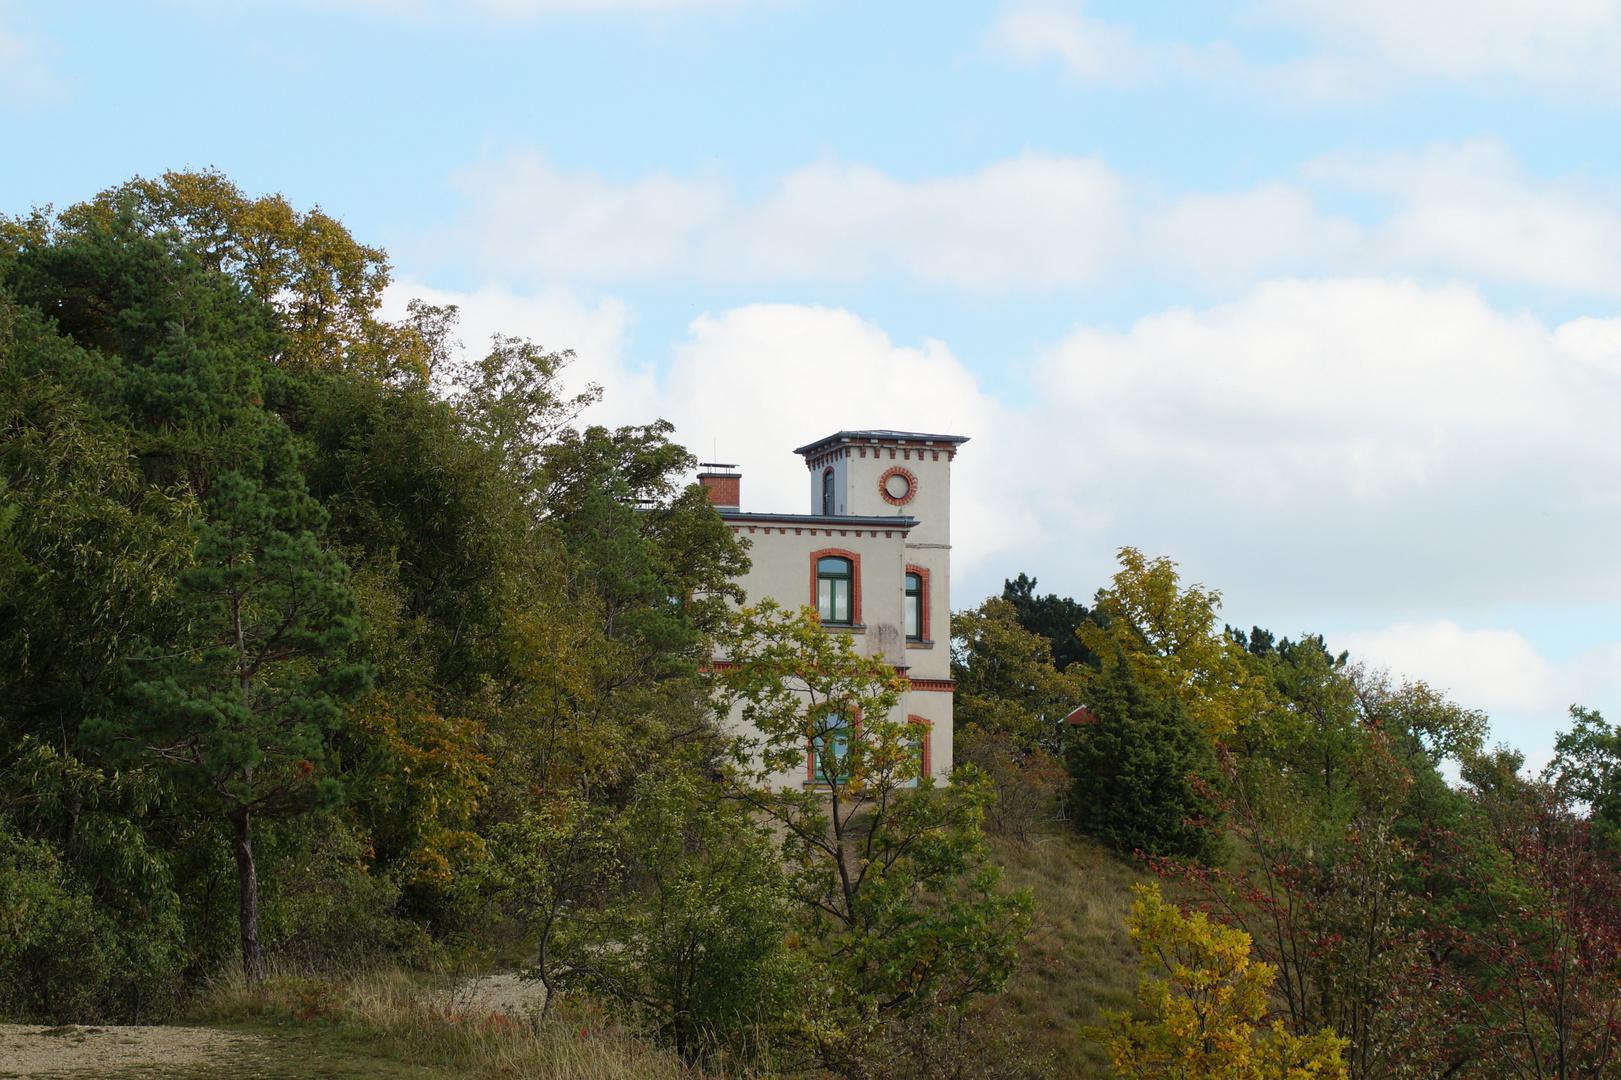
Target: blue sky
<point x="1316" y="297"/>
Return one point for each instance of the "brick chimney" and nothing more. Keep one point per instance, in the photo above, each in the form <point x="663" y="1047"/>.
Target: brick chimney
<point x="722" y="482"/>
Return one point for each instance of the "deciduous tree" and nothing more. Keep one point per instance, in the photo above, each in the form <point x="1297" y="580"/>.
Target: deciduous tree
<point x="1586" y="768"/>
<point x="695" y="935"/>
<point x="896" y="900"/>
<point x="326" y="285"/>
<point x="1006" y="680"/>
<point x="1169" y="635"/>
<point x="1541" y="934"/>
<point x="1206" y="1010"/>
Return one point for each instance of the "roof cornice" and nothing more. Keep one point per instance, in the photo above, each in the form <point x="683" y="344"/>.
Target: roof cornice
<point x="882" y="438"/>
<point x="821" y="521"/>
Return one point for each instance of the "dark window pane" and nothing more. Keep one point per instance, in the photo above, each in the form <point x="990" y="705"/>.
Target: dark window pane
<point x="835" y="745"/>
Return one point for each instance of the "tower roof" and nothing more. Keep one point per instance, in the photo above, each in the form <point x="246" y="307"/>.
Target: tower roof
<point x="881" y="437"/>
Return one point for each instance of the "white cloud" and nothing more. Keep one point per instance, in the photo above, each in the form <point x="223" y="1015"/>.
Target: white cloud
<point x="532" y="221"/>
<point x="1526" y="693"/>
<point x="1354" y="50"/>
<point x="1228" y="238"/>
<point x="525" y="8"/>
<point x="1493" y="669"/>
<point x="1565" y="44"/>
<point x="528" y="9"/>
<point x="1033" y="220"/>
<point x="1469" y="208"/>
<point x="1040" y="221"/>
<point x="1094" y="51"/>
<point x="1592" y="341"/>
<point x="1350" y="443"/>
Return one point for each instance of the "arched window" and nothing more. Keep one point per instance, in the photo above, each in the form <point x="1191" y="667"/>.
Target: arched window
<point x="828" y="507"/>
<point x="830" y="756"/>
<point x="914" y="607"/>
<point x="921" y="742"/>
<point x="835" y="581"/>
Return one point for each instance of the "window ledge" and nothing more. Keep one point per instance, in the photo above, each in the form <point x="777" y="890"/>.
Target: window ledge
<point x="920" y="644"/>
<point x="844" y="628"/>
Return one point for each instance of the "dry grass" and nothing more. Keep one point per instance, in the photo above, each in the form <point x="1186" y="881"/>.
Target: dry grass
<point x="428" y="1025"/>
<point x="1078" y="960"/>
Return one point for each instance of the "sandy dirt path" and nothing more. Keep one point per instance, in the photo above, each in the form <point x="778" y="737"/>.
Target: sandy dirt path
<point x="31" y="1050"/>
<point x="506" y="994"/>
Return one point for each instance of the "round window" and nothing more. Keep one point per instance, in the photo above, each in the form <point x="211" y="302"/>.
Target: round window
<point x="897" y="486"/>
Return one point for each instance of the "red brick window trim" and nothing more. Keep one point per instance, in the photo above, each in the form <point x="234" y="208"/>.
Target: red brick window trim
<point x="855" y="580"/>
<point x="923" y="615"/>
<point x="926" y="767"/>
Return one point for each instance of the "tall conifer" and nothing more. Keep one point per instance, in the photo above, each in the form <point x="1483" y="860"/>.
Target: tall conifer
<point x="1134" y="767"/>
<point x="244" y="704"/>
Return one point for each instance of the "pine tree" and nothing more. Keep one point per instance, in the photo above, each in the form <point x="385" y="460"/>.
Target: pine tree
<point x="1054" y="617"/>
<point x="244" y="704"/>
<point x="1132" y="765"/>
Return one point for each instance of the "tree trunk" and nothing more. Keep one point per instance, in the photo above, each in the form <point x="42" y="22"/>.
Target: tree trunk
<point x="248" y="911"/>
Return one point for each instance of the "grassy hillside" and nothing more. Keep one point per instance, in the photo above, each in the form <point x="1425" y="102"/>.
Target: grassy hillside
<point x="1078" y="960"/>
<point x="394" y="1024"/>
<point x="388" y="1023"/>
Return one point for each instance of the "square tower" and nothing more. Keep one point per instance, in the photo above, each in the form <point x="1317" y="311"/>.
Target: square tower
<point x="884" y="474"/>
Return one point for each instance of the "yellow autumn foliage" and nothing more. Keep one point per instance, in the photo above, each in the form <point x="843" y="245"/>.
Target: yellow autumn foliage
<point x="427" y="775"/>
<point x="1207" y="1008"/>
<point x="1173" y="639"/>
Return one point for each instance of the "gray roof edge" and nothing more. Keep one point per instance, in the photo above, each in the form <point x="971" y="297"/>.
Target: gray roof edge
<point x="848" y="521"/>
<point x="882" y="435"/>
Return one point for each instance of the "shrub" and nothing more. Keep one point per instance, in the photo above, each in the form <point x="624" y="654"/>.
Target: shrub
<point x="324" y="908"/>
<point x="697" y="938"/>
<point x="1027" y="781"/>
<point x="64" y="958"/>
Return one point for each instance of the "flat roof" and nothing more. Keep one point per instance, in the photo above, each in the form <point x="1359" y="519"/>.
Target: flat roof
<point x="881" y="435"/>
<point x="830" y="521"/>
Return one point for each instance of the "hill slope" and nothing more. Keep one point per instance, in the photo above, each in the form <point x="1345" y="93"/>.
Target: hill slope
<point x="1078" y="960"/>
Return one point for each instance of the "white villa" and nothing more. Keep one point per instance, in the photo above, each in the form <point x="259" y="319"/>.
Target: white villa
<point x="873" y="556"/>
